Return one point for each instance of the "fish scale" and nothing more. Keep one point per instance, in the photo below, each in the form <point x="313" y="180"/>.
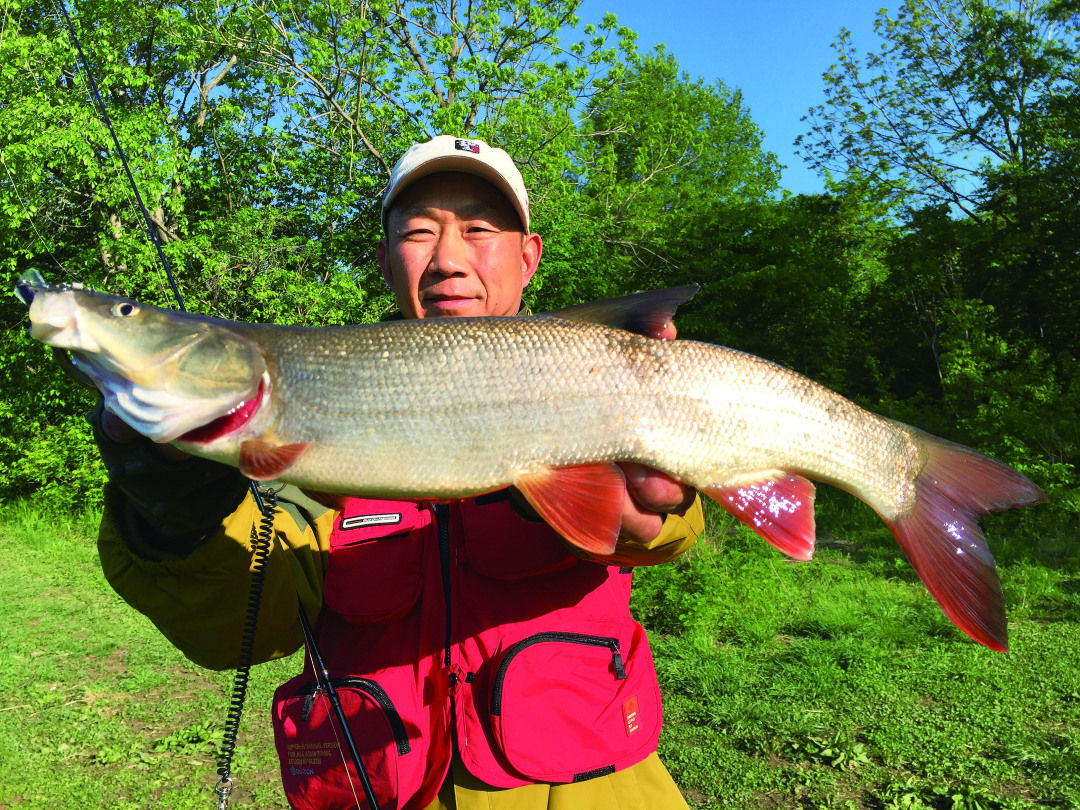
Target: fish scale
<point x="457" y="407"/>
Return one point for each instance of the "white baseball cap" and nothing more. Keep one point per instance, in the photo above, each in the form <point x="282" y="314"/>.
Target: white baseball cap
<point x="445" y="153"/>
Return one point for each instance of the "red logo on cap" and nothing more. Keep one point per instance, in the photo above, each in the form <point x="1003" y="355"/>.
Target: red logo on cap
<point x="467" y="146"/>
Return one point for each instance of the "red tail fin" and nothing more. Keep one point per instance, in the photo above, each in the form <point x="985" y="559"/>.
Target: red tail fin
<point x="943" y="542"/>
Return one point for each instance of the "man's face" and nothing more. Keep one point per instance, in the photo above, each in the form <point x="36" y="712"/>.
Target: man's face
<point x="455" y="247"/>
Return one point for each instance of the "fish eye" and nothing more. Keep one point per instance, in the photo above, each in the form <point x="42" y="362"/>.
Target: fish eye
<point x="124" y="309"/>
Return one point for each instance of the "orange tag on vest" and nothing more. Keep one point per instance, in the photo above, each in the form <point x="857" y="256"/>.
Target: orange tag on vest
<point x="630" y="715"/>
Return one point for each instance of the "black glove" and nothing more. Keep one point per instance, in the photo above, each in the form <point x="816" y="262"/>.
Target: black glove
<point x="177" y="502"/>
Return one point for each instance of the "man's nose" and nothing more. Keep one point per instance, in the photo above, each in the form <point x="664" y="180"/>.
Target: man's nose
<point x="449" y="257"/>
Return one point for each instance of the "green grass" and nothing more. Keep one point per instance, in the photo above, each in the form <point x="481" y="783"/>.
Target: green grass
<point x="96" y="708"/>
<point x="835" y="684"/>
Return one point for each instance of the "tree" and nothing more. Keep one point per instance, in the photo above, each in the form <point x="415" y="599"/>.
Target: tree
<point x="956" y="88"/>
<point x="260" y="146"/>
<point x="261" y="135"/>
<point x="656" y="154"/>
<point x="965" y="122"/>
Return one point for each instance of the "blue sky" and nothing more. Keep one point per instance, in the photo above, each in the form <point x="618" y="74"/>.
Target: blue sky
<point x="773" y="50"/>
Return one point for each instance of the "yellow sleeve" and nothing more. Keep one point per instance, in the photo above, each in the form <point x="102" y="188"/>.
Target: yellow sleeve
<point x="678" y="533"/>
<point x="199" y="602"/>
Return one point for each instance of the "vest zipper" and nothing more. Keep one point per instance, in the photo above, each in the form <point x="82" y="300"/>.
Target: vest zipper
<point x="553" y="636"/>
<point x="442" y="523"/>
<point x="374" y="691"/>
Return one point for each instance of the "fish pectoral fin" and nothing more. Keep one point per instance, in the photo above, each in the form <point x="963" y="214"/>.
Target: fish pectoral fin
<point x="263" y="461"/>
<point x="584" y="504"/>
<point x="646" y="313"/>
<point x="941" y="538"/>
<point x="779" y="508"/>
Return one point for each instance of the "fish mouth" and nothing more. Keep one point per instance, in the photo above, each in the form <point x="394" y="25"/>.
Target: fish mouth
<point x="238" y="416"/>
<point x="165" y="417"/>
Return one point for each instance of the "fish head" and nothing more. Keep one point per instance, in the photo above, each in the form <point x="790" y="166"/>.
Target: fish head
<point x="163" y="372"/>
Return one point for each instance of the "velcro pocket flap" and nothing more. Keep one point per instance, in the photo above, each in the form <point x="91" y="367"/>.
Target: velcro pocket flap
<point x="376" y="559"/>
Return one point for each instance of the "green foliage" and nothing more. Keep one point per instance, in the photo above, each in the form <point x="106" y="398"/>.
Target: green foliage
<point x="792" y="280"/>
<point x="99" y="709"/>
<point x="968" y="116"/>
<point x="261" y="135"/>
<point x="837" y="751"/>
<point x="658" y="153"/>
<point x="831" y="684"/>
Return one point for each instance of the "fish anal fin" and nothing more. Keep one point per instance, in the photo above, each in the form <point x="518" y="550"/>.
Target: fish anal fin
<point x="778" y="507"/>
<point x="941" y="538"/>
<point x="263" y="461"/>
<point x="646" y="313"/>
<point x="584" y="504"/>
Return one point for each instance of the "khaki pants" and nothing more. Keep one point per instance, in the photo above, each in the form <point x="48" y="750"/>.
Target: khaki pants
<point x="645" y="786"/>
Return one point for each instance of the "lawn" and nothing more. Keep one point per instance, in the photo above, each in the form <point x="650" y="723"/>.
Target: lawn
<point x="833" y="684"/>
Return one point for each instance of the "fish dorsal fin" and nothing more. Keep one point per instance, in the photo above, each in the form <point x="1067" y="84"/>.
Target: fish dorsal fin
<point x="779" y="507"/>
<point x="645" y="313"/>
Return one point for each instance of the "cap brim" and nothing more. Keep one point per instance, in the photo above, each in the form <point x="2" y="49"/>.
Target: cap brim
<point x="455" y="163"/>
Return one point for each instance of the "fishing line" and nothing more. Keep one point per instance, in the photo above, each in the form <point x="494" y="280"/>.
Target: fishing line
<point x="264" y="534"/>
<point x="323" y="680"/>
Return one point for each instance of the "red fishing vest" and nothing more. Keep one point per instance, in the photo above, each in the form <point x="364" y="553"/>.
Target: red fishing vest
<point x="465" y="625"/>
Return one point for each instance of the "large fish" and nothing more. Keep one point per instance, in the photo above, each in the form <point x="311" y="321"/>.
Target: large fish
<point x="456" y="407"/>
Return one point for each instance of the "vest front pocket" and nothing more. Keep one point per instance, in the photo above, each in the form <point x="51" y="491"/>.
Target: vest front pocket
<point x="376" y="559"/>
<point x="565" y="707"/>
<point x="317" y="771"/>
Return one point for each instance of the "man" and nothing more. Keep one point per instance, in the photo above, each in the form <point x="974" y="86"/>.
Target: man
<point x="481" y="662"/>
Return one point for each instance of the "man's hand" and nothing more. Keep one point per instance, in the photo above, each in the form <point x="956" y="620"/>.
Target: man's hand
<point x="650" y="494"/>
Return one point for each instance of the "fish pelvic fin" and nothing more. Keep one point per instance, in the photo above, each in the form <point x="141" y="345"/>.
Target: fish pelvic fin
<point x="262" y="461"/>
<point x="647" y="313"/>
<point x="583" y="504"/>
<point x="941" y="538"/>
<point x="779" y="508"/>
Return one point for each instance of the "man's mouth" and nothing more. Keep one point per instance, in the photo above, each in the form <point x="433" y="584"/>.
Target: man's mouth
<point x="447" y="303"/>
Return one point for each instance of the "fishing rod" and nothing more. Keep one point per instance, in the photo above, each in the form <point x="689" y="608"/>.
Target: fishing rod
<point x="150" y="229"/>
<point x="263" y="536"/>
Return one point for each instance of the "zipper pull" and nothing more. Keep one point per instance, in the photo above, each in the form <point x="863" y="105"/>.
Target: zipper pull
<point x="309" y="701"/>
<point x="620" y="670"/>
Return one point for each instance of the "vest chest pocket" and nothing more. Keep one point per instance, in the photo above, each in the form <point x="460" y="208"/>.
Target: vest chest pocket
<point x="375" y="567"/>
<point x="565" y="706"/>
<point x="501" y="544"/>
